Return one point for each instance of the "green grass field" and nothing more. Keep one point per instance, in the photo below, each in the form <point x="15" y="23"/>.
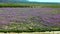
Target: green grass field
<point x="32" y="5"/>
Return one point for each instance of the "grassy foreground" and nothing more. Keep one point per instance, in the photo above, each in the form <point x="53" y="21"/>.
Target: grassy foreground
<point x="53" y="32"/>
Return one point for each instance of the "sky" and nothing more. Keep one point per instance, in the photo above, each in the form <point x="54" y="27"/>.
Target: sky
<point x="32" y="0"/>
<point x="45" y="0"/>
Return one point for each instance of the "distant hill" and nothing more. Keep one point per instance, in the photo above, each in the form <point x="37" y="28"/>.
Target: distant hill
<point x="5" y="1"/>
<point x="24" y="1"/>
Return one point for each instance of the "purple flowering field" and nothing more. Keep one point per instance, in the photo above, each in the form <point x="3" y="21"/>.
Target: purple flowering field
<point x="47" y="17"/>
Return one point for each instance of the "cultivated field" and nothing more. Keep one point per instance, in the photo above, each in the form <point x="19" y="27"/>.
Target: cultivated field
<point x="29" y="19"/>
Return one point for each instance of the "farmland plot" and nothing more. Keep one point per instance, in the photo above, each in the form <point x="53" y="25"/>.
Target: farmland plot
<point x="29" y="19"/>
